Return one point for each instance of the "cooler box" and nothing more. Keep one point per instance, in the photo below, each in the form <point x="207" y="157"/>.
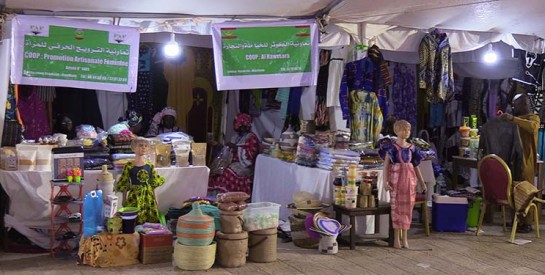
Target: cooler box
<point x="156" y="248"/>
<point x="449" y="214"/>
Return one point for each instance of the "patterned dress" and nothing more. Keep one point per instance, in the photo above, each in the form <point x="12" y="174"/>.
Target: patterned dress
<point x="140" y="181"/>
<point x="403" y="180"/>
<point x="240" y="173"/>
<point x="366" y="117"/>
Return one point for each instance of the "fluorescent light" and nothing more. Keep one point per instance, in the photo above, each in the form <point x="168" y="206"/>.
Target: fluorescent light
<point x="490" y="56"/>
<point x="172" y="48"/>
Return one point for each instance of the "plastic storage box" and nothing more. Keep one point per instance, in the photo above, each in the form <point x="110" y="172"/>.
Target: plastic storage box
<point x="261" y="215"/>
<point x="449" y="214"/>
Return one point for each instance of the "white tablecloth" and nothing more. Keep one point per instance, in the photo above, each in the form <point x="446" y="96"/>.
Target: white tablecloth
<point x="30" y="191"/>
<point x="276" y="180"/>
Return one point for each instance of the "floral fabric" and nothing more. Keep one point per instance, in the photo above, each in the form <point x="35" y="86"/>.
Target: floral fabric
<point x="366" y="117"/>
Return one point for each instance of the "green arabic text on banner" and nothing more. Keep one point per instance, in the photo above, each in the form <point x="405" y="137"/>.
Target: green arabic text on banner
<point x="53" y="52"/>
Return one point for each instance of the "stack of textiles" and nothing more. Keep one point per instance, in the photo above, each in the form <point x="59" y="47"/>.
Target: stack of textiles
<point x="95" y="157"/>
<point x="306" y="152"/>
<point x="120" y="143"/>
<point x="331" y="159"/>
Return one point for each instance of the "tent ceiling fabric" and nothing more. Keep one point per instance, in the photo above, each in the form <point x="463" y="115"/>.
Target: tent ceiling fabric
<point x="501" y="16"/>
<point x="277" y="8"/>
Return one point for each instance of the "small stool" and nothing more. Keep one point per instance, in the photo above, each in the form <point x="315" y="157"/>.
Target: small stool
<point x="421" y="200"/>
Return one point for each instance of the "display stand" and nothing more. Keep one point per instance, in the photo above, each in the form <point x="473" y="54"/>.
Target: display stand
<point x="64" y="229"/>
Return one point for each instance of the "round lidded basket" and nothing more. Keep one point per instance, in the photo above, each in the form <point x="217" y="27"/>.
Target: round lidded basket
<point x="195" y="228"/>
<point x="263" y="245"/>
<point x="232" y="249"/>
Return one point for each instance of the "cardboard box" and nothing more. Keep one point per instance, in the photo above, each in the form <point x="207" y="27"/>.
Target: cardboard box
<point x="449" y="214"/>
<point x="156" y="248"/>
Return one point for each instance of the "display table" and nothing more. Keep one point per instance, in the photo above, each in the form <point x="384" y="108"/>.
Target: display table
<point x="29" y="193"/>
<point x="276" y="180"/>
<point x="383" y="208"/>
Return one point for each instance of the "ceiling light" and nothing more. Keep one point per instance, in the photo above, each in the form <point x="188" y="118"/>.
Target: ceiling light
<point x="490" y="55"/>
<point x="172" y="48"/>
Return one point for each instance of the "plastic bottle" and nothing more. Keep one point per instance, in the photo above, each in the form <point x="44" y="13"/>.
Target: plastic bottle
<point x="440" y="183"/>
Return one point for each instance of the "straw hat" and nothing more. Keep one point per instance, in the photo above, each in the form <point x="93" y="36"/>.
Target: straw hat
<point x="306" y="201"/>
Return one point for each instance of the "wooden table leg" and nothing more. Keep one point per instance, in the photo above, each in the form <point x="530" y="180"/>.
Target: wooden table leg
<point x="352" y="232"/>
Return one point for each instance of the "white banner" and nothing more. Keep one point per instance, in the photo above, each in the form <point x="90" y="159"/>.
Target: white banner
<point x="50" y="51"/>
<point x="252" y="55"/>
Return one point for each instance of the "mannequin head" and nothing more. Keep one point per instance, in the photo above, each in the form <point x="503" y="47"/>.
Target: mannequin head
<point x="402" y="129"/>
<point x="140" y="146"/>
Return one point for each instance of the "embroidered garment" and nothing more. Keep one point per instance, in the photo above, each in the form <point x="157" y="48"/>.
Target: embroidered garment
<point x="33" y="113"/>
<point x="402" y="178"/>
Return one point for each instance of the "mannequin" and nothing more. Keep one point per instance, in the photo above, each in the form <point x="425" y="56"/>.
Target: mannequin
<point x="139" y="179"/>
<point x="401" y="160"/>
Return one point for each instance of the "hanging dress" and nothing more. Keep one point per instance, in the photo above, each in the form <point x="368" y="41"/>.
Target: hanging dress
<point x="402" y="177"/>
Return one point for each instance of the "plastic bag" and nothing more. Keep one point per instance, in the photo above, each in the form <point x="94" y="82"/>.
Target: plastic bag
<point x="222" y="161"/>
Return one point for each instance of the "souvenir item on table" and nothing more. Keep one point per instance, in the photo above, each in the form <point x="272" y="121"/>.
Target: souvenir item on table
<point x="66" y="159"/>
<point x="342" y="140"/>
<point x="198" y="154"/>
<point x="306" y="152"/>
<point x="162" y="155"/>
<point x="181" y="149"/>
<point x="288" y="139"/>
<point x="232" y="249"/>
<point x="262" y="245"/>
<point x="331" y="159"/>
<point x="8" y="158"/>
<point x="195" y="228"/>
<point x="77" y="174"/>
<point x="70" y="175"/>
<point x="26" y="157"/>
<point x="106" y="181"/>
<point x="86" y="131"/>
<point x="261" y="215"/>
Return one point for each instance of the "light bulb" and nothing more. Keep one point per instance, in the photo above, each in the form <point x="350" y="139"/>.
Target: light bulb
<point x="172" y="48"/>
<point x="490" y="56"/>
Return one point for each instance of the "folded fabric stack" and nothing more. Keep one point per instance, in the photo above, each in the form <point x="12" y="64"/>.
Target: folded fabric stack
<point x="119" y="160"/>
<point x="120" y="143"/>
<point x="95" y="157"/>
<point x="323" y="139"/>
<point x="330" y="159"/>
<point x="306" y="152"/>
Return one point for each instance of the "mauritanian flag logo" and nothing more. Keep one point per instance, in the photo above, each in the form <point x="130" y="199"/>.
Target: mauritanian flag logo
<point x="228" y="33"/>
<point x="303" y="31"/>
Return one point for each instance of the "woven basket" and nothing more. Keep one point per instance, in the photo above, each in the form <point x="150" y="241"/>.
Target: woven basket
<point x="194" y="257"/>
<point x="523" y="193"/>
<point x="232" y="249"/>
<point x="262" y="245"/>
<point x="299" y="234"/>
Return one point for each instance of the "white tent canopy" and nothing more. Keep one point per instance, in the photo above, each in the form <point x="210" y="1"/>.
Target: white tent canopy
<point x="396" y="25"/>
